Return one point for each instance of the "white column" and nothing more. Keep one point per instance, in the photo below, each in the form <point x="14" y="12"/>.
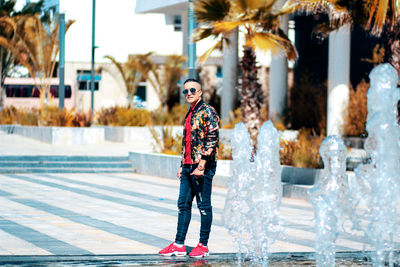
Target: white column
<point x="338" y="80"/>
<point x="229" y="75"/>
<point x="278" y="74"/>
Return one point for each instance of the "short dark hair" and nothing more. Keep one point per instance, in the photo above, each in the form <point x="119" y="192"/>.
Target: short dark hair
<point x="192" y="80"/>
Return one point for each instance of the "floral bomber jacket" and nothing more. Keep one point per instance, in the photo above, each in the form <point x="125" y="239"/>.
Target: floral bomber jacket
<point x="204" y="133"/>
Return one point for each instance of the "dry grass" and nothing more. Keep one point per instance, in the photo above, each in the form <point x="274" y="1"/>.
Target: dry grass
<point x="304" y="152"/>
<point x="165" y="142"/>
<point x="53" y="116"/>
<point x="357" y="111"/>
<point x="122" y="116"/>
<point x="12" y="115"/>
<point x="175" y="116"/>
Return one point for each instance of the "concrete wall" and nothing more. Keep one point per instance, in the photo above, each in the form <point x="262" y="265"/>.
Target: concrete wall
<point x="59" y="135"/>
<point x="167" y="165"/>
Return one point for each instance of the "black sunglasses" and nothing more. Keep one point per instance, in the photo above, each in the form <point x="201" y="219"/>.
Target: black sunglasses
<point x="192" y="90"/>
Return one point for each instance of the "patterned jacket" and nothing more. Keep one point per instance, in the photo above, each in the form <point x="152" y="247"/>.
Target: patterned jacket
<point x="204" y="134"/>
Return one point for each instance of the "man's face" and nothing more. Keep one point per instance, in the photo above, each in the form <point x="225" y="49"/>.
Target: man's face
<point x="192" y="98"/>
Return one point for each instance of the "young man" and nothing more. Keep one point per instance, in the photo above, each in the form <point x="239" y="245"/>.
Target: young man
<point x="198" y="165"/>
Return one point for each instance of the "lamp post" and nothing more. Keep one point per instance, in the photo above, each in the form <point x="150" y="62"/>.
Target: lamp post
<point x="92" y="61"/>
<point x="61" y="86"/>
<point x="191" y="45"/>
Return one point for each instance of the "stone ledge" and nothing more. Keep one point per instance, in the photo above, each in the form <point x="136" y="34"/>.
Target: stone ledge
<point x="296" y="181"/>
<point x="59" y="135"/>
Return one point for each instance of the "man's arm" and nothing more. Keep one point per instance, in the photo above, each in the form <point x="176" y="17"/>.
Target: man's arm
<point x="211" y="137"/>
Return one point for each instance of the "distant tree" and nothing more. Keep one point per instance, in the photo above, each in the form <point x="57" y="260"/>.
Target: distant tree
<point x="8" y="17"/>
<point x="133" y="72"/>
<point x="164" y="79"/>
<point x="35" y="45"/>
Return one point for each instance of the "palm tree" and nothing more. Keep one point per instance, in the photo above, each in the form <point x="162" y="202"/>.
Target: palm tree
<point x="35" y="46"/>
<point x="8" y="23"/>
<point x="259" y="20"/>
<point x="133" y="72"/>
<point x="375" y="16"/>
<point x="164" y="79"/>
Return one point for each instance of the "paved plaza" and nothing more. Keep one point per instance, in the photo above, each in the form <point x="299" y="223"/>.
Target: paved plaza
<point x="117" y="213"/>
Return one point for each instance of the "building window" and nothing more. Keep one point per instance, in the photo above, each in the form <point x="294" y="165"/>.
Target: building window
<point x="141" y="91"/>
<point x="83" y="78"/>
<point x="29" y="90"/>
<point x="219" y="72"/>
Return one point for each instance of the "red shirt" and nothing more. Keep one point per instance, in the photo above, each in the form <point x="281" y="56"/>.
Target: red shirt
<point x="188" y="138"/>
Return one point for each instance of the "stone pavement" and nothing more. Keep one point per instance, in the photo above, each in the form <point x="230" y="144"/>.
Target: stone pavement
<point x="121" y="213"/>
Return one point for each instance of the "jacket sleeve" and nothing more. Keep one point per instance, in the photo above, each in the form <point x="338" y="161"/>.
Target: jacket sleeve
<point x="211" y="135"/>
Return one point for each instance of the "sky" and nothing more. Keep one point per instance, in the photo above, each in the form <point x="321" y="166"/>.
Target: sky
<point x="119" y="31"/>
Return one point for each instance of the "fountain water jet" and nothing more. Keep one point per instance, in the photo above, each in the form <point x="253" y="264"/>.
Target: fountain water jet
<point x="331" y="199"/>
<point x="377" y="184"/>
<point x="255" y="193"/>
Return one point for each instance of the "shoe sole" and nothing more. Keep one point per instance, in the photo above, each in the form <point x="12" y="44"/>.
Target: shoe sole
<point x="201" y="256"/>
<point x="175" y="253"/>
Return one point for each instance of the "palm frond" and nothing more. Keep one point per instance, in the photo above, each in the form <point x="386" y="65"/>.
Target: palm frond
<point x="7" y="25"/>
<point x="209" y="51"/>
<point x="202" y="33"/>
<point x="227" y="26"/>
<point x="248" y="5"/>
<point x="271" y="42"/>
<point x="211" y="10"/>
<point x="378" y="13"/>
<point x="120" y="69"/>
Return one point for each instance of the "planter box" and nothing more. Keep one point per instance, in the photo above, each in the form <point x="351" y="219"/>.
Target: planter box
<point x="163" y="165"/>
<point x="134" y="134"/>
<point x="59" y="135"/>
<point x="167" y="166"/>
<point x="355" y="142"/>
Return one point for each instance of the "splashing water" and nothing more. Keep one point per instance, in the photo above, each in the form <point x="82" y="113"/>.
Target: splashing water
<point x="377" y="184"/>
<point x="330" y="198"/>
<point x="254" y="193"/>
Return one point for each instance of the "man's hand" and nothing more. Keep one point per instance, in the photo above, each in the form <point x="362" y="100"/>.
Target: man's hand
<point x="197" y="172"/>
<point x="179" y="173"/>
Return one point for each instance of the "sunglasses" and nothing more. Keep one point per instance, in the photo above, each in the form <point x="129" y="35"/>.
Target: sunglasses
<point x="192" y="90"/>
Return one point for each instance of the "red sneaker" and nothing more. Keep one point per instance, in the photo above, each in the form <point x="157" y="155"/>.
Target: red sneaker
<point x="199" y="251"/>
<point x="173" y="249"/>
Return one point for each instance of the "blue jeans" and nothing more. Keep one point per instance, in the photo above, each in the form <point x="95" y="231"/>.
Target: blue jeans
<point x="190" y="187"/>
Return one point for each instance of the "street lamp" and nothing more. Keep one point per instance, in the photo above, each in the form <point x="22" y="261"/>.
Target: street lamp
<point x="61" y="86"/>
<point x="191" y="45"/>
<point x="92" y="61"/>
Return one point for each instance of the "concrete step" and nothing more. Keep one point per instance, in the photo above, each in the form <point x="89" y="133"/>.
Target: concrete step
<point x="63" y="158"/>
<point x="66" y="170"/>
<point x="64" y="164"/>
<point x="49" y="164"/>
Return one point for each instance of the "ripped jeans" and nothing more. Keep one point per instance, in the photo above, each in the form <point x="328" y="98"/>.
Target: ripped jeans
<point x="190" y="187"/>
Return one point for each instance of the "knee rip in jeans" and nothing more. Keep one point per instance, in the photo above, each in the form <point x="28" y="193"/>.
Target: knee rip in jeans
<point x="203" y="212"/>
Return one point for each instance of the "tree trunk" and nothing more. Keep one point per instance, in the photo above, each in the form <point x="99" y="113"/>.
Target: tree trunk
<point x="251" y="94"/>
